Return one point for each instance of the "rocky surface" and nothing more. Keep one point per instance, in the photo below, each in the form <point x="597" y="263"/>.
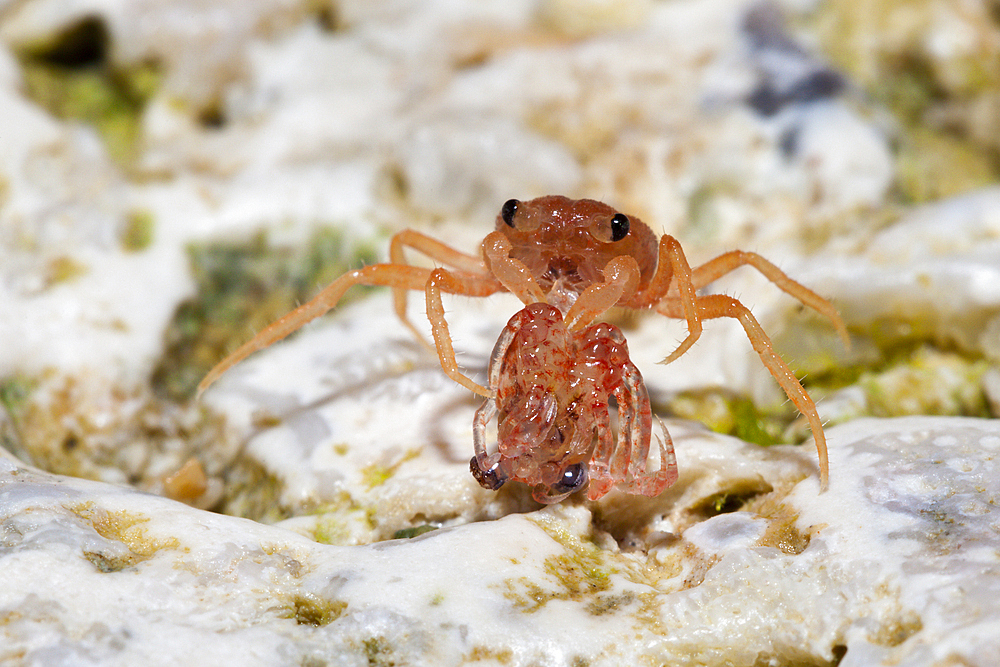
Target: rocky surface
<point x="183" y="172"/>
<point x="894" y="564"/>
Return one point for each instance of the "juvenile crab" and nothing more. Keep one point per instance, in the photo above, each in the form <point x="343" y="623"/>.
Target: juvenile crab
<point x="568" y="261"/>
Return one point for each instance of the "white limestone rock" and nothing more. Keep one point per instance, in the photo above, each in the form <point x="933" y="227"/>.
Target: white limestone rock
<point x="892" y="565"/>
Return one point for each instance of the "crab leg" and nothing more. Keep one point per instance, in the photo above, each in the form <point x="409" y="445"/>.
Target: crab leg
<point x="442" y="280"/>
<point x="716" y="268"/>
<point x="635" y="431"/>
<point x="400" y="277"/>
<point x="435" y="250"/>
<point x="673" y="271"/>
<point x="719" y="305"/>
<point x="486" y="412"/>
<point x="487" y="470"/>
<point x="601" y="479"/>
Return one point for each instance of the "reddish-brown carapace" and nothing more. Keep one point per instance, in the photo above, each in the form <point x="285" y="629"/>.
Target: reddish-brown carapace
<point x="554" y="369"/>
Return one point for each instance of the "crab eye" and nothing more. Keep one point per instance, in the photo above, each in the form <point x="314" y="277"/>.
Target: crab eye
<point x="574" y="476"/>
<point x="508" y="210"/>
<point x="619" y="226"/>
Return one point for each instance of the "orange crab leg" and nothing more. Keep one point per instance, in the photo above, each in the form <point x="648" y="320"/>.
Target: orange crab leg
<point x="719" y="305"/>
<point x="716" y="268"/>
<point x="391" y="275"/>
<point x="466" y="285"/>
<point x="436" y="251"/>
<point x="673" y="271"/>
<point x="385" y="275"/>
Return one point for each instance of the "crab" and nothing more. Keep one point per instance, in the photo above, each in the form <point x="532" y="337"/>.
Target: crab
<point x="553" y="369"/>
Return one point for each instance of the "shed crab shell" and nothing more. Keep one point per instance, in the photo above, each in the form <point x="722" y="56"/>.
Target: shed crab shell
<point x="552" y="395"/>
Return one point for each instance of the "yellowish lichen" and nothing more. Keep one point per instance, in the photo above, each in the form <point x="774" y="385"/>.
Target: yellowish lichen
<point x="379" y="473"/>
<point x="897" y="629"/>
<point x="63" y="269"/>
<point x="585" y="572"/>
<point x="137" y="233"/>
<point x="503" y="656"/>
<point x="782" y="531"/>
<point x="125" y="527"/>
<point x="342" y="520"/>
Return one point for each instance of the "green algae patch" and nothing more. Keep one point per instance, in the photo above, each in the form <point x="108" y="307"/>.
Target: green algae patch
<point x="253" y="493"/>
<point x="416" y="531"/>
<point x="125" y="527"/>
<point x="945" y="100"/>
<point x="913" y="378"/>
<point x="733" y="414"/>
<point x="70" y="74"/>
<point x="930" y="382"/>
<point x="90" y="427"/>
<point x="315" y="611"/>
<point x="15" y="393"/>
<point x="241" y="288"/>
<point x="933" y="165"/>
<point x="902" y="376"/>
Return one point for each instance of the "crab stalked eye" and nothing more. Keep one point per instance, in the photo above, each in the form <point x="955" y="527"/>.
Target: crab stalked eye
<point x="574" y="476"/>
<point x="508" y="210"/>
<point x="619" y="227"/>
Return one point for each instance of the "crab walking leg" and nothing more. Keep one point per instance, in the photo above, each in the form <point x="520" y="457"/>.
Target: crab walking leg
<point x="400" y="277"/>
<point x="485" y="467"/>
<point x="719" y="305"/>
<point x="601" y="479"/>
<point x="495" y="369"/>
<point x="621" y="275"/>
<point x="635" y="434"/>
<point x="715" y="268"/>
<point x="672" y="269"/>
<point x="466" y="285"/>
<point x="511" y="273"/>
<point x="435" y="250"/>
